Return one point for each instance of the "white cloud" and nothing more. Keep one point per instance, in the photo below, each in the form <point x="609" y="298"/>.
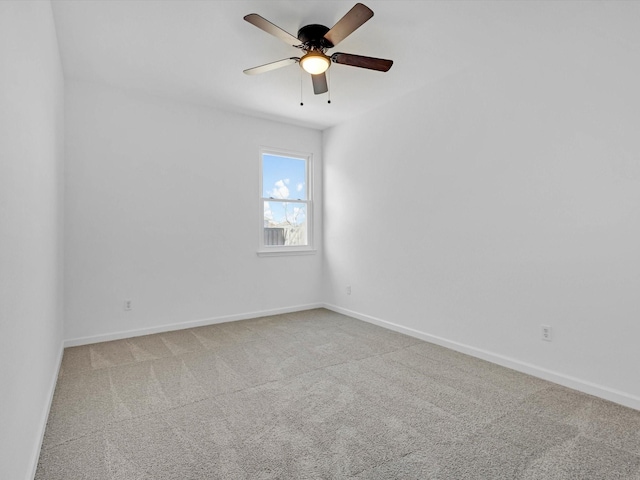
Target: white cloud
<point x="268" y="214"/>
<point x="299" y="187"/>
<point x="297" y="216"/>
<point x="281" y="190"/>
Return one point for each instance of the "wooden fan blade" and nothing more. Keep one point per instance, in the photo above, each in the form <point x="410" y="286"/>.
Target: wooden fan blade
<point x="271" y="66"/>
<point x="319" y="83"/>
<point x="348" y="24"/>
<point x="371" y="63"/>
<point x="267" y="26"/>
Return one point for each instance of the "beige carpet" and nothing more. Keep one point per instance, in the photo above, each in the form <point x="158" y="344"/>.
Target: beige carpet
<point x="320" y="395"/>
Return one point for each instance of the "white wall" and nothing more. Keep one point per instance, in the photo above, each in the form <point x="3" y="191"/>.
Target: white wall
<point x="162" y="208"/>
<point x="505" y="197"/>
<point x="31" y="154"/>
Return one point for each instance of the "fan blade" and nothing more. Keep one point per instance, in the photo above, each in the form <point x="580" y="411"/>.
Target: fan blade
<point x="267" y="26"/>
<point x="371" y="63"/>
<point x="348" y="24"/>
<point x="271" y="66"/>
<point x="319" y="83"/>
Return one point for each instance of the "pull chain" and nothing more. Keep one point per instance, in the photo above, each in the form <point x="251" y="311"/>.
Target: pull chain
<point x="301" y="102"/>
<point x="329" y="86"/>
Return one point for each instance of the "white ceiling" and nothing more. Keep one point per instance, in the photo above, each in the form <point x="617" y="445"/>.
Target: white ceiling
<point x="195" y="51"/>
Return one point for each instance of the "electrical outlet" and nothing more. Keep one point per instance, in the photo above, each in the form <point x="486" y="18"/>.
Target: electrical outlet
<point x="348" y="289"/>
<point x="127" y="305"/>
<point x="545" y="332"/>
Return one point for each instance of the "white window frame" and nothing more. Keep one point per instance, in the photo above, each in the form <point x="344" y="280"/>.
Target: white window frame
<point x="275" y="250"/>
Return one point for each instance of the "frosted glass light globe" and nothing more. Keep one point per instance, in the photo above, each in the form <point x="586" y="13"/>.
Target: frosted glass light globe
<point x="315" y="62"/>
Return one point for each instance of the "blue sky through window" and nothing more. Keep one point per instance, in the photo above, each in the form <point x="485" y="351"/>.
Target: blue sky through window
<point x="284" y="182"/>
<point x="284" y="177"/>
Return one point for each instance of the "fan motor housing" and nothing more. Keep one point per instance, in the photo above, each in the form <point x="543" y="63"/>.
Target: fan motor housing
<point x="313" y="37"/>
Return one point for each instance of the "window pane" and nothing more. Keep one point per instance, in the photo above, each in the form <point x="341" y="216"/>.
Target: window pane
<point x="284" y="177"/>
<point x="285" y="223"/>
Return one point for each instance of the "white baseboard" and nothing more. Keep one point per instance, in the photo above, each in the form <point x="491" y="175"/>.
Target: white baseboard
<point x="73" y="342"/>
<point x="581" y="385"/>
<point x="584" y="386"/>
<point x="45" y="415"/>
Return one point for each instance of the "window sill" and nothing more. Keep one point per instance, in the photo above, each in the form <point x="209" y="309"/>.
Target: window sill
<point x="283" y="253"/>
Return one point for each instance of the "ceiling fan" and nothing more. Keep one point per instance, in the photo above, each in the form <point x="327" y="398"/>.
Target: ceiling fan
<point x="314" y="40"/>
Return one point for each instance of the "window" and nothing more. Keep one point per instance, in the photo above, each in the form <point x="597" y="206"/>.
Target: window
<point x="285" y="203"/>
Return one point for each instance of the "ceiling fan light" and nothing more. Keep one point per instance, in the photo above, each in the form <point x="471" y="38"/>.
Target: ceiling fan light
<point x="315" y="62"/>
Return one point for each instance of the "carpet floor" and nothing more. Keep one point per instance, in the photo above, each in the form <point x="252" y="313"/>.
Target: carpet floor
<point x="316" y="394"/>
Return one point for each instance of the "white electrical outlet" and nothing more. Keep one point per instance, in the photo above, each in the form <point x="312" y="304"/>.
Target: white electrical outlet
<point x="127" y="305"/>
<point x="545" y="332"/>
<point x="348" y="289"/>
